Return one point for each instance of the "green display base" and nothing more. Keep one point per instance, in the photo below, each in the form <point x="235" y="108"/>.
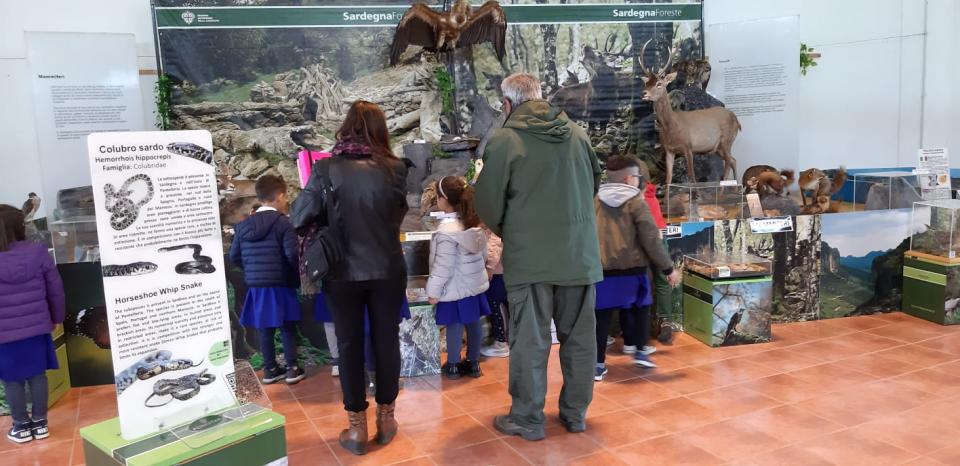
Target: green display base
<point x="257" y="440"/>
<point x="727" y="312"/>
<point x="930" y="287"/>
<point x="58" y="380"/>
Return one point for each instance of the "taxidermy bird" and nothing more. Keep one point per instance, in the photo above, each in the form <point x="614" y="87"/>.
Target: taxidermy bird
<point x="460" y="27"/>
<point x="30" y="207"/>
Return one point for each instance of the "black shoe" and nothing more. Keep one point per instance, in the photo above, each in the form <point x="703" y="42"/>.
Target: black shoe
<point x="573" y="427"/>
<point x="39" y="429"/>
<point x="666" y="334"/>
<point x="294" y="375"/>
<point x="471" y="368"/>
<point x="504" y="425"/>
<point x="20" y="434"/>
<point x="273" y="375"/>
<point x="452" y="371"/>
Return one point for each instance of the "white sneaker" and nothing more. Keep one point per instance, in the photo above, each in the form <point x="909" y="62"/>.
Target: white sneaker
<point x="499" y="349"/>
<point x="335" y="370"/>
<point x="629" y="349"/>
<point x="647" y="350"/>
<point x="610" y="341"/>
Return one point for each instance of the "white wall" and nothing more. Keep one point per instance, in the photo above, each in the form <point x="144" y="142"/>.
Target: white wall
<point x="870" y="102"/>
<point x="20" y="172"/>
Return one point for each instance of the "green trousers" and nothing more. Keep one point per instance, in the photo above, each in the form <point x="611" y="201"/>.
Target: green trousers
<point x="572" y="310"/>
<point x="667" y="299"/>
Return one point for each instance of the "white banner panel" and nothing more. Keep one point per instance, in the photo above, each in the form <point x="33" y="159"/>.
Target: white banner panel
<point x="756" y="66"/>
<point x="158" y="224"/>
<point x="82" y="83"/>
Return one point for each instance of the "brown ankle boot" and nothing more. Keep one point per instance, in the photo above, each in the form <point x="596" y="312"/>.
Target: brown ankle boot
<point x="354" y="439"/>
<point x="386" y="424"/>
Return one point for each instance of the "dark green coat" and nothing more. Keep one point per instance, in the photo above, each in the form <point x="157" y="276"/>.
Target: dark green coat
<point x="536" y="191"/>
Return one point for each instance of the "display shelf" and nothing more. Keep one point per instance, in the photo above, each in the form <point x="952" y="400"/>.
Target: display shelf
<point x="704" y="201"/>
<point x="716" y="266"/>
<point x="885" y="190"/>
<point x="935" y="230"/>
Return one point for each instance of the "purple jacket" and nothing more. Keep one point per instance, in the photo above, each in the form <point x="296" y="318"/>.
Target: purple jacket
<point x="31" y="293"/>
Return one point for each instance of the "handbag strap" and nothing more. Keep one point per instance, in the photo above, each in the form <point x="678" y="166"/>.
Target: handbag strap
<point x="322" y="168"/>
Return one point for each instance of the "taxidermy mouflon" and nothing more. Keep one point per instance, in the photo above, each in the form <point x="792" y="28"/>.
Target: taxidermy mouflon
<point x="815" y="180"/>
<point x="462" y="26"/>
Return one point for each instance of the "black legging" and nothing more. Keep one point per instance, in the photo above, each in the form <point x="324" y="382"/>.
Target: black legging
<point x="382" y="300"/>
<point x="634" y="322"/>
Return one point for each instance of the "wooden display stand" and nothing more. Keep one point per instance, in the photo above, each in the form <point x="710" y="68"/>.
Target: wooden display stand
<point x="931" y="287"/>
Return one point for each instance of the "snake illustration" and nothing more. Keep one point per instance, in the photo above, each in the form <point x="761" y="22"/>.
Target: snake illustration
<point x="199" y="264"/>
<point x="124" y="211"/>
<point x="193" y="151"/>
<point x="182" y="389"/>
<point x="151" y="365"/>
<point x="129" y="270"/>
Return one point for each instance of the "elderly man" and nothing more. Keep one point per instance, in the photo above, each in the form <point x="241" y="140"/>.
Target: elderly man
<point x="536" y="191"/>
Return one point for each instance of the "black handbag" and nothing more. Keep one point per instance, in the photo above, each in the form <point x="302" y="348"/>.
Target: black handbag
<point x="325" y="253"/>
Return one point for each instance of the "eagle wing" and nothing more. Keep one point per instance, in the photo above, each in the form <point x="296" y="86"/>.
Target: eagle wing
<point x="486" y="24"/>
<point x="417" y="27"/>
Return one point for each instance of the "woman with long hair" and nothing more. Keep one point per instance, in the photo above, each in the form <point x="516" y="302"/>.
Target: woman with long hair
<point x="368" y="204"/>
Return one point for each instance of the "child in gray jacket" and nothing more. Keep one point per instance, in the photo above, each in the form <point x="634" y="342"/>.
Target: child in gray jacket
<point x="458" y="275"/>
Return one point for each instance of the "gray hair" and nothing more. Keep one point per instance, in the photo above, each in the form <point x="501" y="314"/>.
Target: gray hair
<point x="521" y="87"/>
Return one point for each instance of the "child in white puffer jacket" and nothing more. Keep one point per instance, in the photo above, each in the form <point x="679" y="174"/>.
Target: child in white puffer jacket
<point x="458" y="275"/>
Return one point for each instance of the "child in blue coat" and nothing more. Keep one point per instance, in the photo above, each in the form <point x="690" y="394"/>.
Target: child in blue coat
<point x="265" y="247"/>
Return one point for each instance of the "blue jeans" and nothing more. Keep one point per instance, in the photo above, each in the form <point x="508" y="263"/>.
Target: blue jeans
<point x="288" y="334"/>
<point x="455" y="341"/>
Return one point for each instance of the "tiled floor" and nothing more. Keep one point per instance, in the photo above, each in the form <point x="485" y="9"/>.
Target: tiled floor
<point x="863" y="390"/>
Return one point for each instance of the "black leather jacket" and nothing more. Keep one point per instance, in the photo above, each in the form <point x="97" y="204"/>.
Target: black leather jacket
<point x="370" y="205"/>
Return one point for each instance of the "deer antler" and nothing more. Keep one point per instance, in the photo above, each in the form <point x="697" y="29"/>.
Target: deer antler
<point x="643" y="51"/>
<point x="666" y="68"/>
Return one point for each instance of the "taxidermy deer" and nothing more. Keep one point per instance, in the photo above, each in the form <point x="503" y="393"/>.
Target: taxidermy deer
<point x="815" y="180"/>
<point x="596" y="100"/>
<point x="706" y="131"/>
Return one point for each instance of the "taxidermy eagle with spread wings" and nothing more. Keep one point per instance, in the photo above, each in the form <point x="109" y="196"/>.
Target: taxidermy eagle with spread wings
<point x="462" y="26"/>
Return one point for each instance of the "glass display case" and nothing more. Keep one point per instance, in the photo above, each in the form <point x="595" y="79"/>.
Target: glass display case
<point x="886" y="190"/>
<point x="704" y="201"/>
<point x="715" y="265"/>
<point x="934" y="229"/>
<point x="75" y="240"/>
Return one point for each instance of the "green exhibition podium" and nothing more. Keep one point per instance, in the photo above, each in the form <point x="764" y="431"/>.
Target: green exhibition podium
<point x="256" y="440"/>
<point x="931" y="288"/>
<point x="727" y="311"/>
<point x="58" y="380"/>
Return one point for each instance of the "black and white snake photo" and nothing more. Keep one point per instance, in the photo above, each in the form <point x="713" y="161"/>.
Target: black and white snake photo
<point x="123" y="209"/>
<point x="191" y="150"/>
<point x="199" y="264"/>
<point x="129" y="270"/>
<point x="151" y="365"/>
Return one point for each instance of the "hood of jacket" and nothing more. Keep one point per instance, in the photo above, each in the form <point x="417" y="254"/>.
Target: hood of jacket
<point x="541" y="120"/>
<point x="472" y="240"/>
<point x="650" y="192"/>
<point x="18" y="264"/>
<point x="617" y="194"/>
<point x="257" y="226"/>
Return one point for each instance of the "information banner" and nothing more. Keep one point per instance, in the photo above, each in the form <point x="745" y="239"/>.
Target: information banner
<point x="933" y="172"/>
<point x="82" y="83"/>
<point x="163" y="276"/>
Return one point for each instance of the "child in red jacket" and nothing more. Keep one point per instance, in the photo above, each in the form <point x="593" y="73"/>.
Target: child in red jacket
<point x="31" y="304"/>
<point x="666" y="297"/>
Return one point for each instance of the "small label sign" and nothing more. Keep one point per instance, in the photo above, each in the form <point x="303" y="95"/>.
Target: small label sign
<point x="723" y="272"/>
<point x="671" y="231"/>
<point x="771" y="225"/>
<point x="729" y="183"/>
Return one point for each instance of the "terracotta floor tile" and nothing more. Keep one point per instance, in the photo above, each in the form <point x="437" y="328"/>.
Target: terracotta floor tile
<point x="76" y="455"/>
<point x="784" y="360"/>
<point x="38" y="453"/>
<point x="878" y="365"/>
<point x="865" y="403"/>
<point x="740" y="368"/>
<point x="947" y="344"/>
<point x="318" y="382"/>
<point x="485" y="418"/>
<point x="895" y="317"/>
<point x="790" y="423"/>
<point x="402" y="448"/>
<point x="869" y="342"/>
<point x="670" y="449"/>
<point x="689" y="380"/>
<point x="787" y="456"/>
<point x="861" y="322"/>
<point x="556" y="448"/>
<point x="828" y="350"/>
<point x="291" y="410"/>
<point x="785" y="337"/>
<point x="421" y="461"/>
<point x="949" y="455"/>
<point x="905" y="333"/>
<point x="909" y="431"/>
<point x="619" y="428"/>
<point x="323" y="405"/>
<point x="733" y="401"/>
<point x="480" y="397"/>
<point x="604" y="458"/>
<point x="919" y="355"/>
<point x="492" y="452"/>
<point x="783" y="387"/>
<point x="636" y="392"/>
<point x="850" y="448"/>
<point x="414" y="408"/>
<point x="319" y="455"/>
<point x="832" y="376"/>
<point x="728" y="439"/>
<point x="932" y="381"/>
<point x="278" y="391"/>
<point x="433" y="437"/>
<point x="599" y="406"/>
<point x="677" y="414"/>
<point x="302" y="435"/>
<point x="827" y="328"/>
<point x="922" y="461"/>
<point x="695" y="355"/>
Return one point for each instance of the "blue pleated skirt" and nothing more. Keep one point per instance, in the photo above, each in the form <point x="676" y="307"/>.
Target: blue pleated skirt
<point x="623" y="291"/>
<point x="270" y="307"/>
<point x="498" y="290"/>
<point x="23" y="359"/>
<point x="464" y="311"/>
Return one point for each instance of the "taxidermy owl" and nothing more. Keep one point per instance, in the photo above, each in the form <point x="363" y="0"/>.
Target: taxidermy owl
<point x="462" y="26"/>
